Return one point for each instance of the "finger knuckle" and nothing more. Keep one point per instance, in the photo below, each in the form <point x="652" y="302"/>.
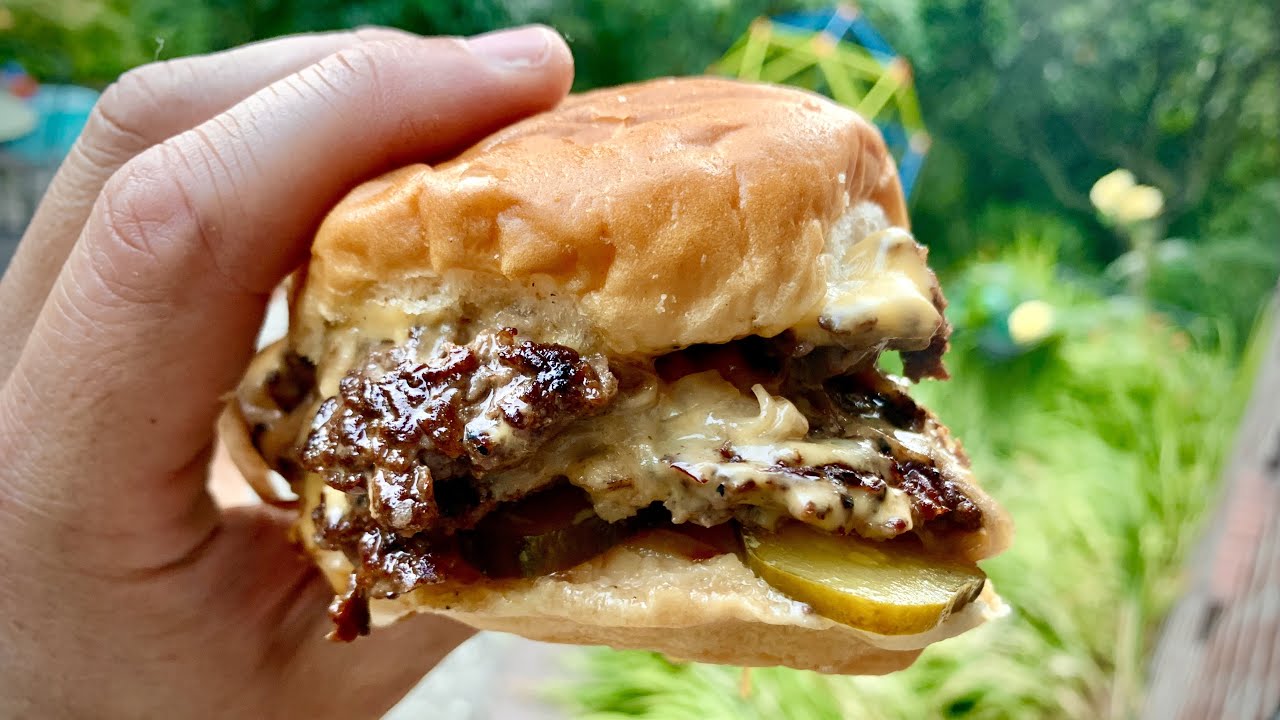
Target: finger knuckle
<point x="351" y="74"/>
<point x="356" y="65"/>
<point x="160" y="219"/>
<point x="127" y="108"/>
<point x="143" y="214"/>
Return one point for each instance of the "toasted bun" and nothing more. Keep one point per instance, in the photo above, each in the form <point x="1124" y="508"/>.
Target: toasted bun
<point x="707" y="204"/>
<point x="713" y="611"/>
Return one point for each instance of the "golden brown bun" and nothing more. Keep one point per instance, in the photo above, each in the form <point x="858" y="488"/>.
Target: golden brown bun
<point x="703" y="202"/>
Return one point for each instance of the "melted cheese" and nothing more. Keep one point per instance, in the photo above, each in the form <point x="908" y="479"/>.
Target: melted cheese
<point x="451" y="309"/>
<point x="879" y="286"/>
<point x="663" y="444"/>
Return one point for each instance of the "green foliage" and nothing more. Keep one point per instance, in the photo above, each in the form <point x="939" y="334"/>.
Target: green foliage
<point x="1104" y="446"/>
<point x="93" y="41"/>
<point x="1166" y="89"/>
<point x="1033" y="101"/>
<point x="1214" y="283"/>
<point x="656" y="687"/>
<point x="997" y="226"/>
<point x="618" y="42"/>
<point x="1214" y="288"/>
<point x="242" y="21"/>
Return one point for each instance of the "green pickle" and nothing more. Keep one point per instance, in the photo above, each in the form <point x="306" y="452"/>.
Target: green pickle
<point x="548" y="532"/>
<point x="888" y="588"/>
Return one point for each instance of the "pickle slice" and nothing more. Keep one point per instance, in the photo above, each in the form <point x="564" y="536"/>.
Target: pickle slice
<point x="888" y="588"/>
<point x="550" y="531"/>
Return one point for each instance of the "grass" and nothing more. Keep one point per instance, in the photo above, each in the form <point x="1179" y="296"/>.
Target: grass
<point x="1105" y="442"/>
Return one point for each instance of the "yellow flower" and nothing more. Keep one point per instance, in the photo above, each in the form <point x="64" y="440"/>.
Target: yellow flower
<point x="1138" y="203"/>
<point x="1031" y="322"/>
<point x="1119" y="197"/>
<point x="1106" y="193"/>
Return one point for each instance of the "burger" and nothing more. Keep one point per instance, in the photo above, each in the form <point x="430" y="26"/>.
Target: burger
<point x="616" y="375"/>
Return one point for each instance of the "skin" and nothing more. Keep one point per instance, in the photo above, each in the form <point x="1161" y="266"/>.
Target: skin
<point x="131" y="308"/>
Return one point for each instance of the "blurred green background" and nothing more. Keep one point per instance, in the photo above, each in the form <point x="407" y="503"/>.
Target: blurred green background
<point x="1101" y="358"/>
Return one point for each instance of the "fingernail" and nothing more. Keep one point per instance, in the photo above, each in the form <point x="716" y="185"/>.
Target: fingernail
<point x="519" y="47"/>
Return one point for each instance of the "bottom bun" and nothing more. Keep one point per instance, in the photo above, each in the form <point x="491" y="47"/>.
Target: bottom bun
<point x="637" y="596"/>
<point x="722" y="642"/>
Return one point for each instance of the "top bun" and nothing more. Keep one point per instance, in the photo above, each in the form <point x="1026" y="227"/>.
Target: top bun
<point x="632" y="221"/>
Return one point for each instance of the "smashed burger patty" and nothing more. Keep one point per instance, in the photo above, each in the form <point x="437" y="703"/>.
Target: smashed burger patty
<point x="416" y="431"/>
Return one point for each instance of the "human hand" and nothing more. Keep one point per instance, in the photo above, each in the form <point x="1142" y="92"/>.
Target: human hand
<point x="131" y="308"/>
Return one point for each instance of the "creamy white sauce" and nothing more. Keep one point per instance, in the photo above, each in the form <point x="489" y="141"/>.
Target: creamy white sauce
<point x="879" y="286"/>
<point x="664" y="445"/>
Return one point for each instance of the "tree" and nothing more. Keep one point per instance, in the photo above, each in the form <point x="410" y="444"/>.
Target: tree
<point x="1166" y="89"/>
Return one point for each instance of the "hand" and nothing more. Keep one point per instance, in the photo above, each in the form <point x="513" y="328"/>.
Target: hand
<point x="131" y="309"/>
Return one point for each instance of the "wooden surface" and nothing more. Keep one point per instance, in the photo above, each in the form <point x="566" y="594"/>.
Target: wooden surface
<point x="1219" y="652"/>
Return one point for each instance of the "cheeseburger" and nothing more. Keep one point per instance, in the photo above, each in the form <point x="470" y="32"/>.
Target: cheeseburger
<point x="612" y="376"/>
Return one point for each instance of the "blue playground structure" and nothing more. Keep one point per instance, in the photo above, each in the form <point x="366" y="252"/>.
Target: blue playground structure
<point x="839" y="53"/>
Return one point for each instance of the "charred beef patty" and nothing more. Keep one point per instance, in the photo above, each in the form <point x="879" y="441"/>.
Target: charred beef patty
<point x="421" y="438"/>
<point x="412" y="430"/>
